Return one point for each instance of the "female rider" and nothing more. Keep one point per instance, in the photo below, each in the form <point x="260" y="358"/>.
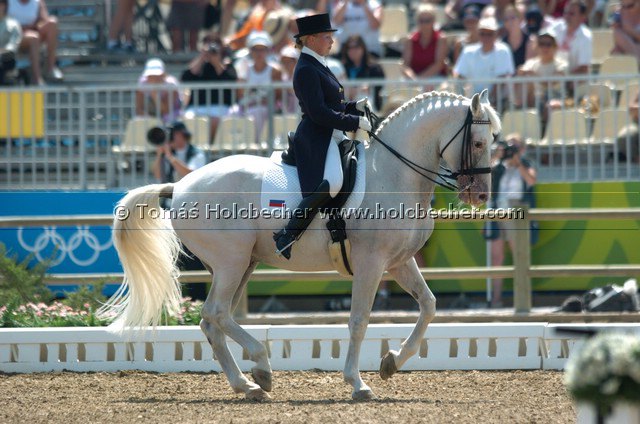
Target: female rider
<point x="325" y="116"/>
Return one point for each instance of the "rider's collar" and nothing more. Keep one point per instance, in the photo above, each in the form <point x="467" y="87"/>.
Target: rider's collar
<point x="319" y="58"/>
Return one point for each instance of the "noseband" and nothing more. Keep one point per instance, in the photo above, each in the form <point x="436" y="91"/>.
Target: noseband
<point x="466" y="165"/>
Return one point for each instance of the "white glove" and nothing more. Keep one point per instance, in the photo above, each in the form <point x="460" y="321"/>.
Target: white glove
<point x="364" y="124"/>
<point x="363" y="104"/>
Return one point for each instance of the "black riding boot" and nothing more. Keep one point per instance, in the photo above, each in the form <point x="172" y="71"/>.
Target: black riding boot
<point x="302" y="217"/>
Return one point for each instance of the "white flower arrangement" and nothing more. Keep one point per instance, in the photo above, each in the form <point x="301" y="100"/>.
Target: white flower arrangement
<point x="606" y="370"/>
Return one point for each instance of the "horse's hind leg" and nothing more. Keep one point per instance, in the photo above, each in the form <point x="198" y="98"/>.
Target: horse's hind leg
<point x="217" y="322"/>
<point x="409" y="278"/>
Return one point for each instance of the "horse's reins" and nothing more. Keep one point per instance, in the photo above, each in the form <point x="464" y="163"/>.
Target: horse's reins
<point x="466" y="167"/>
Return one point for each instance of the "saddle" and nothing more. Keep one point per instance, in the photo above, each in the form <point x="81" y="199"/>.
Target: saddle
<point x="340" y="247"/>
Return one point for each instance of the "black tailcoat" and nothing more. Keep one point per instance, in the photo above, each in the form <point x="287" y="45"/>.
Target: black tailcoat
<point x="324" y="109"/>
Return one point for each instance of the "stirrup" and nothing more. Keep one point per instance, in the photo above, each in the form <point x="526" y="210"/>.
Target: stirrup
<point x="284" y="251"/>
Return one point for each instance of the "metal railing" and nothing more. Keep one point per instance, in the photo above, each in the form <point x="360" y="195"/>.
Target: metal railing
<point x="522" y="271"/>
<point x="75" y="137"/>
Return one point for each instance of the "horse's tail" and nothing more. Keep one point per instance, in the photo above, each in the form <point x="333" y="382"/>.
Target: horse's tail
<point x="148" y="248"/>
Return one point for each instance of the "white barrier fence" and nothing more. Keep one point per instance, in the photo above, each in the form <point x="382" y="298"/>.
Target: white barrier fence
<point x="494" y="346"/>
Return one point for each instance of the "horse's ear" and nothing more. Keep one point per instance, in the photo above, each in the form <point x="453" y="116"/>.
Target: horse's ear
<point x="484" y="96"/>
<point x="475" y="105"/>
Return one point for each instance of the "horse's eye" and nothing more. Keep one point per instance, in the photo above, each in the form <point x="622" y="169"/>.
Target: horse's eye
<point x="478" y="144"/>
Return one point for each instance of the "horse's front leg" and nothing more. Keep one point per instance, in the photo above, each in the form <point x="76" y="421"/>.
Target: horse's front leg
<point x="365" y="284"/>
<point x="409" y="278"/>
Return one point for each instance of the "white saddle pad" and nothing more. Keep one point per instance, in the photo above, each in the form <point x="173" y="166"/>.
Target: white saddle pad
<point x="281" y="187"/>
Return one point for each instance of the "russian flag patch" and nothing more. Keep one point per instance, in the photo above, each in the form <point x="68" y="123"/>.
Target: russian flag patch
<point x="275" y="203"/>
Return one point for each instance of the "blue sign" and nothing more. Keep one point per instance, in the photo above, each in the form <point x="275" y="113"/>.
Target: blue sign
<point x="69" y="249"/>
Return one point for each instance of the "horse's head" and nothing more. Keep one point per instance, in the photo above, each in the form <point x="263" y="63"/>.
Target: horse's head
<point x="469" y="156"/>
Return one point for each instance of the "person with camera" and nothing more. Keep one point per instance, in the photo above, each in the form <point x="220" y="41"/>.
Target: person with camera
<point x="10" y="36"/>
<point x="512" y="180"/>
<point x="211" y="65"/>
<point x="176" y="157"/>
<point x="325" y="117"/>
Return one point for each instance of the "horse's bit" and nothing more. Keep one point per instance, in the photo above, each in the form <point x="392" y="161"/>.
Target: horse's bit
<point x="466" y="167"/>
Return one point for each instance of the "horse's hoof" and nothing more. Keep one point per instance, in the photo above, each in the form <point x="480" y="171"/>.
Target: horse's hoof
<point x="387" y="366"/>
<point x="262" y="378"/>
<point x="258" y="395"/>
<point x="363" y="395"/>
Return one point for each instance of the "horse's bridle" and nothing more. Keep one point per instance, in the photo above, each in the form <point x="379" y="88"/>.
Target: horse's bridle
<point x="466" y="166"/>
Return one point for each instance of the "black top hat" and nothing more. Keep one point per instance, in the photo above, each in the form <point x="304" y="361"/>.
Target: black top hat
<point x="313" y="24"/>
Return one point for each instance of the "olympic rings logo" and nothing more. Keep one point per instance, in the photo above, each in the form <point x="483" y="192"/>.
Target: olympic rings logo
<point x="51" y="238"/>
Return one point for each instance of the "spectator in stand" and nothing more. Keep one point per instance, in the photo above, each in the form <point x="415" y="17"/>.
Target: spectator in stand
<point x="545" y="64"/>
<point x="425" y="50"/>
<point x="10" y="36"/>
<point x="276" y="24"/>
<point x="456" y="9"/>
<point x="185" y="17"/>
<point x="151" y="100"/>
<point x="288" y="60"/>
<point x="626" y="29"/>
<point x="37" y="28"/>
<point x="211" y="65"/>
<point x="317" y="6"/>
<point x="497" y="10"/>
<point x="556" y="8"/>
<point x="574" y="39"/>
<point x="516" y="38"/>
<point x="253" y="102"/>
<point x="470" y="21"/>
<point x="488" y="59"/>
<point x="359" y="17"/>
<point x="122" y="24"/>
<point x="254" y="22"/>
<point x="512" y="180"/>
<point x="177" y="157"/>
<point x="358" y="64"/>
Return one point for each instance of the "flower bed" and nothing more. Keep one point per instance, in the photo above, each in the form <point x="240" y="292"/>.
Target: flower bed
<point x="58" y="314"/>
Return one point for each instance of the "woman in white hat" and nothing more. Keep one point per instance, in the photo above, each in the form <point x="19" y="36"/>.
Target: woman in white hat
<point x="165" y="104"/>
<point x="260" y="73"/>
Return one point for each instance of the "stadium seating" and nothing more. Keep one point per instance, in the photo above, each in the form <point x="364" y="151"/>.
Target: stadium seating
<point x="235" y="135"/>
<point x="524" y="122"/>
<point x="282" y="124"/>
<point x="395" y="23"/>
<point x="200" y="129"/>
<point x="608" y="125"/>
<point x="135" y="135"/>
<point x="565" y="127"/>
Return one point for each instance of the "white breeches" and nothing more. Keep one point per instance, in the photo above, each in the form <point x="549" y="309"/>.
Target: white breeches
<point x="332" y="165"/>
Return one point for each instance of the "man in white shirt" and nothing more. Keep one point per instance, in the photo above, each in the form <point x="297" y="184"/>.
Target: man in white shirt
<point x="488" y="59"/>
<point x="575" y="42"/>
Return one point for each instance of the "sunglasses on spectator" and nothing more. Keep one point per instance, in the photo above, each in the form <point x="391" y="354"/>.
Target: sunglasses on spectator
<point x="486" y="34"/>
<point x="545" y="44"/>
<point x="426" y="20"/>
<point x="353" y="46"/>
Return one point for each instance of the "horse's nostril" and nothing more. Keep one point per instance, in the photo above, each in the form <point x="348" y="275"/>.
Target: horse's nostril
<point x="483" y="197"/>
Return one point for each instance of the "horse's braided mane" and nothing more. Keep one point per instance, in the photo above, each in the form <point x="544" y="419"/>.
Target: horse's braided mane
<point x="418" y="99"/>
